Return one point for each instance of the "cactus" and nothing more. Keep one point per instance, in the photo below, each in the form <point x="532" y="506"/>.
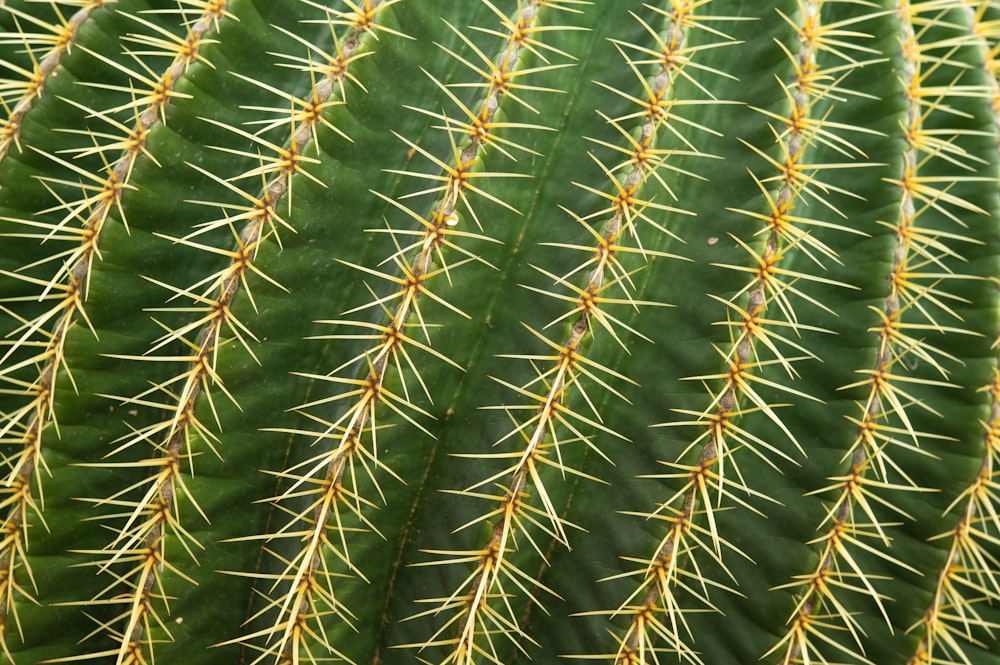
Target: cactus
<point x="477" y="332"/>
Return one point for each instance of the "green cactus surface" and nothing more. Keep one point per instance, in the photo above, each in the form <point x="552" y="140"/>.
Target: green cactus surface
<point x="500" y="331"/>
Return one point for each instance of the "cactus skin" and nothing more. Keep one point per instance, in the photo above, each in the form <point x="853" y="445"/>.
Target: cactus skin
<point x="468" y="332"/>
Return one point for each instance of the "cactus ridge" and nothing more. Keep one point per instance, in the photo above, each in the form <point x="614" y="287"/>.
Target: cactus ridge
<point x="714" y="481"/>
<point x="252" y="224"/>
<point x="420" y="258"/>
<point x="19" y="94"/>
<point x="68" y="287"/>
<point x="551" y="420"/>
<point x="967" y="579"/>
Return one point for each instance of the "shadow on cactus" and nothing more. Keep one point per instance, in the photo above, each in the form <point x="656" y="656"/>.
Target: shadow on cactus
<point x="480" y="332"/>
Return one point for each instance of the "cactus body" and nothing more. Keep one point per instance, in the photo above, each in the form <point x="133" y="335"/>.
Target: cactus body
<point x="474" y="332"/>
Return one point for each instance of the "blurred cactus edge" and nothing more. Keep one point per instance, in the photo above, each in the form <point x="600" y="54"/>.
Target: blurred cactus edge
<point x="472" y="332"/>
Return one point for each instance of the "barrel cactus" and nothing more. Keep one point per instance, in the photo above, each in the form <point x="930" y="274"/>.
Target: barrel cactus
<point x="406" y="331"/>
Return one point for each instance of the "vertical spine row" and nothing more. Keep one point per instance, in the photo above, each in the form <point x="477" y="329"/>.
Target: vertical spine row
<point x="18" y="96"/>
<point x="137" y="556"/>
<point x="67" y="288"/>
<point x="857" y="524"/>
<point x="560" y="401"/>
<point x="760" y="317"/>
<point x="327" y="495"/>
<point x="953" y="623"/>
